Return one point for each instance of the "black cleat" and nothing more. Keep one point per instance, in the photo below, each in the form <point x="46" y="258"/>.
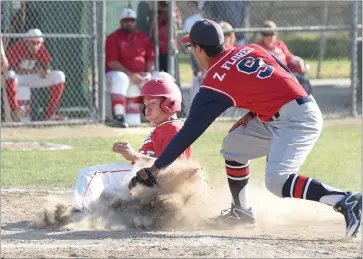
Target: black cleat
<point x="235" y="216"/>
<point x="120" y="121"/>
<point x="351" y="208"/>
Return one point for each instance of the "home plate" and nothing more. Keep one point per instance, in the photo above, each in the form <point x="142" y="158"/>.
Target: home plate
<point x="31" y="146"/>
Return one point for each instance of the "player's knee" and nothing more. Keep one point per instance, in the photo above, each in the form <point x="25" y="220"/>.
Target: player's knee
<point x="227" y="148"/>
<point x="117" y="82"/>
<point x="226" y="143"/>
<point x="11" y="75"/>
<point x="274" y="184"/>
<point x="57" y="77"/>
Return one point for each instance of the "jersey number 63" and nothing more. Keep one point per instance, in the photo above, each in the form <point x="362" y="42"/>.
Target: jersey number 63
<point x="250" y="65"/>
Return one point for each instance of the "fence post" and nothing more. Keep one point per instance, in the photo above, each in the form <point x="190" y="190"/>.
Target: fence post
<point x="354" y="36"/>
<point x="94" y="58"/>
<point x="171" y="41"/>
<point x="101" y="37"/>
<point x="322" y="38"/>
<point x="156" y="35"/>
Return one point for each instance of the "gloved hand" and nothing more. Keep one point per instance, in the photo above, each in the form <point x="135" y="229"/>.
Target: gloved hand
<point x="145" y="177"/>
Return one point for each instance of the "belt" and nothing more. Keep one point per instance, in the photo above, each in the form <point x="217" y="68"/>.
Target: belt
<point x="300" y="101"/>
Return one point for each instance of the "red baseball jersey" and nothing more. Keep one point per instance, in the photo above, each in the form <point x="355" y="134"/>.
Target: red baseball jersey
<point x="132" y="50"/>
<point x="253" y="80"/>
<point x="19" y="56"/>
<point x="280" y="50"/>
<point x="160" y="137"/>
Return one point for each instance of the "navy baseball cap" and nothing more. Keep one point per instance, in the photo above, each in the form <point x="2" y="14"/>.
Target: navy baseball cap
<point x="205" y="32"/>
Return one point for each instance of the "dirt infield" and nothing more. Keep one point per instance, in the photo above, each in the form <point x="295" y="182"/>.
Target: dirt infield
<point x="299" y="229"/>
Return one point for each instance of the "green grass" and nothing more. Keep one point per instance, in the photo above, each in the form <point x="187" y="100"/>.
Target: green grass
<point x="336" y="159"/>
<point x="334" y="68"/>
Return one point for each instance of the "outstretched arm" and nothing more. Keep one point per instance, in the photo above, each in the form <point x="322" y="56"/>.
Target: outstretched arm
<point x="206" y="107"/>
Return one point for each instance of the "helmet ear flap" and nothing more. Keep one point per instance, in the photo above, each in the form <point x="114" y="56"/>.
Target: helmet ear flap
<point x="164" y="105"/>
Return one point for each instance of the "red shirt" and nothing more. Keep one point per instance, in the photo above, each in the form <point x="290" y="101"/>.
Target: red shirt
<point x="160" y="137"/>
<point x="280" y="50"/>
<point x="253" y="80"/>
<point x="132" y="50"/>
<point x="163" y="32"/>
<point x="19" y="56"/>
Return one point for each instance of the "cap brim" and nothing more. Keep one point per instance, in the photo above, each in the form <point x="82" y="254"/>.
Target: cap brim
<point x="186" y="39"/>
<point x="128" y="17"/>
<point x="36" y="39"/>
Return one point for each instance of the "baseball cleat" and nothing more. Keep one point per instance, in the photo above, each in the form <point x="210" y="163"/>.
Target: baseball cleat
<point x="120" y="121"/>
<point x="237" y="216"/>
<point x="351" y="208"/>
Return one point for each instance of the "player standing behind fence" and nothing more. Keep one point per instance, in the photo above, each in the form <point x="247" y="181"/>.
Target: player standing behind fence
<point x="163" y="32"/>
<point x="29" y="67"/>
<point x="129" y="60"/>
<point x="283" y="124"/>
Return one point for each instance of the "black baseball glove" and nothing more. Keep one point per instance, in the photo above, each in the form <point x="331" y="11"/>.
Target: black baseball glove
<point x="150" y="181"/>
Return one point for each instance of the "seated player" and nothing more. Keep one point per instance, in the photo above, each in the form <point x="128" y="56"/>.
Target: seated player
<point x="162" y="100"/>
<point x="129" y="61"/>
<point x="229" y="37"/>
<point x="29" y="67"/>
<point x="278" y="48"/>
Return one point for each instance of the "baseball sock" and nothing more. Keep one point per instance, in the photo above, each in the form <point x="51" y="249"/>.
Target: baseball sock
<point x="118" y="102"/>
<point x="10" y="85"/>
<point x="238" y="175"/>
<point x="54" y="98"/>
<point x="303" y="187"/>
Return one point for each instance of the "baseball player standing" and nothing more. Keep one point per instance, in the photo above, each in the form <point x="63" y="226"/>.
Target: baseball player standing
<point x="29" y="66"/>
<point x="283" y="124"/>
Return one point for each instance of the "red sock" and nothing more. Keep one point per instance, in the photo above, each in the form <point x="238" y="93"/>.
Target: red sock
<point x="10" y="85"/>
<point x="54" y="98"/>
<point x="118" y="99"/>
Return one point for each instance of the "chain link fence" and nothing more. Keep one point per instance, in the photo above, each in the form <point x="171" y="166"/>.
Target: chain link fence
<point x="323" y="33"/>
<point x="55" y="52"/>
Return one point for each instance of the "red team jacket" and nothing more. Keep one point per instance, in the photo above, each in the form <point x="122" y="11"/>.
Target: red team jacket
<point x="245" y="77"/>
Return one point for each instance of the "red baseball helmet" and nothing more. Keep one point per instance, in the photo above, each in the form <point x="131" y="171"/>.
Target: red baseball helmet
<point x="160" y="87"/>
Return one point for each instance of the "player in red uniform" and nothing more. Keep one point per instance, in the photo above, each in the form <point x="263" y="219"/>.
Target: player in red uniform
<point x="283" y="124"/>
<point x="279" y="49"/>
<point x="129" y="61"/>
<point x="29" y="66"/>
<point x="162" y="100"/>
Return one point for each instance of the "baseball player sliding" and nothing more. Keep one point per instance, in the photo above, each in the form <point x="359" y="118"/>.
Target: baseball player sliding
<point x="162" y="100"/>
<point x="283" y="124"/>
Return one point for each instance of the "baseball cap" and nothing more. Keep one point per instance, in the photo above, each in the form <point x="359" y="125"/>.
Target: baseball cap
<point x="270" y="25"/>
<point x="205" y="32"/>
<point x="128" y="13"/>
<point x="35" y="35"/>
